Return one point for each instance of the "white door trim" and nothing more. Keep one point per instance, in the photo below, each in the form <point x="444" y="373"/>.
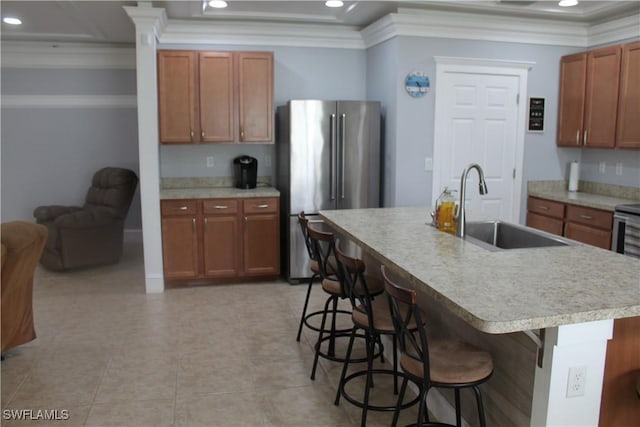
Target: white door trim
<point x="520" y="69"/>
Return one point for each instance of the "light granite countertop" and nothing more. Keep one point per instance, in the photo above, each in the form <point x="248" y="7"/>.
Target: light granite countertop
<point x="217" y="193"/>
<point x="496" y="292"/>
<point x="592" y="195"/>
<point x="213" y="188"/>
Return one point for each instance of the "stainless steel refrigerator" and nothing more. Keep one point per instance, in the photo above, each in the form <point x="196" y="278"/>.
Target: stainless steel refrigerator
<point x="328" y="157"/>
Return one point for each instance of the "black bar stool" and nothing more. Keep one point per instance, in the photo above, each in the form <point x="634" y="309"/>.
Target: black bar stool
<point x="373" y="316"/>
<point x="437" y="363"/>
<point x="323" y="249"/>
<point x="315" y="269"/>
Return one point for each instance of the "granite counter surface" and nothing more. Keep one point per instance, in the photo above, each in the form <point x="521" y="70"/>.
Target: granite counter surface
<point x="212" y="188"/>
<point x="496" y="292"/>
<point x="217" y="193"/>
<point x="591" y="195"/>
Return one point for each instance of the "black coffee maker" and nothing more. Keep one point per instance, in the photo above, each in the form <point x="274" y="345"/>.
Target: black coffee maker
<point x="246" y="171"/>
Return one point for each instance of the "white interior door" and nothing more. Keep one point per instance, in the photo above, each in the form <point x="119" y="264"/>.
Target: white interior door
<point x="478" y="120"/>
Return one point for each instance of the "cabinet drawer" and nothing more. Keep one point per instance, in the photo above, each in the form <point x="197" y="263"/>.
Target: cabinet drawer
<point x="260" y="205"/>
<point x="178" y="207"/>
<point x="220" y="206"/>
<point x="545" y="207"/>
<point x="591" y="217"/>
<point x="544" y="223"/>
<point x="589" y="235"/>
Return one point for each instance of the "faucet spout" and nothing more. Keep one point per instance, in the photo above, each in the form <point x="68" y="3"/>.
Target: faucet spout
<point x="460" y="216"/>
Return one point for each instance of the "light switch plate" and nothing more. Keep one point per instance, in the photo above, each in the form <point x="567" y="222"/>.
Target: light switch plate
<point x="210" y="161"/>
<point x="428" y="163"/>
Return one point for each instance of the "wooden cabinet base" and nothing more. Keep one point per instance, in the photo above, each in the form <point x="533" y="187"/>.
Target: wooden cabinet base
<point x="209" y="241"/>
<point x="620" y="405"/>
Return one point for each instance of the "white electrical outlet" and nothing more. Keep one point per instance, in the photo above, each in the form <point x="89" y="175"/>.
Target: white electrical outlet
<point x="603" y="167"/>
<point x="267" y="161"/>
<point x="577" y="381"/>
<point x="428" y="164"/>
<point x="210" y="162"/>
<point x="619" y="168"/>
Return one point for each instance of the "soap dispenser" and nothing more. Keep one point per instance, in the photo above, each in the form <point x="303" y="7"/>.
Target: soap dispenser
<point x="445" y="211"/>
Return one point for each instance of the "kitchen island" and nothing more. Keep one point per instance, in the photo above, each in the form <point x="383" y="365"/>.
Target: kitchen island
<point x="571" y="293"/>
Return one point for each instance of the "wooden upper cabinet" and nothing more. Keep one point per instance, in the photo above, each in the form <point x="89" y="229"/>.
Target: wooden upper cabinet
<point x="255" y="96"/>
<point x="628" y="133"/>
<point x="217" y="107"/>
<point x="215" y="96"/>
<point x="573" y="75"/>
<point x="176" y="96"/>
<point x="601" y="104"/>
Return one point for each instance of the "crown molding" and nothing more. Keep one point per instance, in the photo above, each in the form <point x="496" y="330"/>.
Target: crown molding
<point x="456" y="25"/>
<point x="69" y="101"/>
<point x="147" y="18"/>
<point x="615" y="30"/>
<point x="261" y="34"/>
<point x="66" y="55"/>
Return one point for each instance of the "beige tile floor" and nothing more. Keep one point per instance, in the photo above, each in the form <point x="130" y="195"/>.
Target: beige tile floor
<point x="111" y="355"/>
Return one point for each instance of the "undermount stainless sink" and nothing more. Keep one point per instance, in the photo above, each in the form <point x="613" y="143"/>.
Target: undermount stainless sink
<point x="496" y="235"/>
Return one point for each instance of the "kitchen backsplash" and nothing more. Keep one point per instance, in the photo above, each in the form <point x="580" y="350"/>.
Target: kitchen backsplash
<point x="188" y="161"/>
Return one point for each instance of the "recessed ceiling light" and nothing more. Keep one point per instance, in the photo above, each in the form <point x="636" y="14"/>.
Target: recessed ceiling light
<point x="567" y="3"/>
<point x="334" y="3"/>
<point x="11" y="20"/>
<point x="218" y="4"/>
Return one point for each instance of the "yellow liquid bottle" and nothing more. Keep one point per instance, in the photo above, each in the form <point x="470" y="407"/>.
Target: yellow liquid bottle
<point x="446" y="208"/>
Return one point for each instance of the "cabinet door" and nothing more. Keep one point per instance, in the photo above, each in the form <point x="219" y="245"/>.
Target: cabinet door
<point x="601" y="105"/>
<point x="255" y="96"/>
<point x="176" y="96"/>
<point x="216" y="97"/>
<point x="179" y="247"/>
<point x="573" y="71"/>
<point x="261" y="239"/>
<point x="220" y="244"/>
<point x="628" y="134"/>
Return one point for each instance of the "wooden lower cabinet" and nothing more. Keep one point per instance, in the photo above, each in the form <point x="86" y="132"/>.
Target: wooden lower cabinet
<point x="217" y="239"/>
<point x="586" y="225"/>
<point x="261" y="244"/>
<point x="179" y="239"/>
<point x="220" y="245"/>
<point x="620" y="405"/>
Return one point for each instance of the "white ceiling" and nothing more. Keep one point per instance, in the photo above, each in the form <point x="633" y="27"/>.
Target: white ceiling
<point x="106" y="21"/>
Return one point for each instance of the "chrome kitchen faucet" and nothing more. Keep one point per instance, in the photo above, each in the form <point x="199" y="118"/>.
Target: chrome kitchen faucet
<point x="460" y="215"/>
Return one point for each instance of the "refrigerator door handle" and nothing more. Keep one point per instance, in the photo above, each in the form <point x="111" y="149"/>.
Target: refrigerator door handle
<point x="343" y="136"/>
<point x="333" y="158"/>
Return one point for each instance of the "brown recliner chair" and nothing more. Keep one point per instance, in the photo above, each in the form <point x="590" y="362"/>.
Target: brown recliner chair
<point x="93" y="234"/>
<point x="22" y="244"/>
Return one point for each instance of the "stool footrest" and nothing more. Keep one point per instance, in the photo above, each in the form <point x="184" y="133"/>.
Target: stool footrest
<point x="326" y="330"/>
<point x="370" y="406"/>
<point x="341" y="359"/>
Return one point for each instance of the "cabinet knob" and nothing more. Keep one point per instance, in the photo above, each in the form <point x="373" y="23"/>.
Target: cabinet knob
<point x="578" y="137"/>
<point x="193" y="224"/>
<point x="543" y="207"/>
<point x="206" y="223"/>
<point x="180" y="208"/>
<point x="587" y="217"/>
<point x="241" y="133"/>
<point x="202" y="134"/>
<point x="192" y="133"/>
<point x="584" y="137"/>
<point x="220" y="207"/>
<point x="262" y="206"/>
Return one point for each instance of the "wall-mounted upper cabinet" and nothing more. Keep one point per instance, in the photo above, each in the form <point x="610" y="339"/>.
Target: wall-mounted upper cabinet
<point x="599" y="101"/>
<point x="215" y="96"/>
<point x="589" y="98"/>
<point x="628" y="135"/>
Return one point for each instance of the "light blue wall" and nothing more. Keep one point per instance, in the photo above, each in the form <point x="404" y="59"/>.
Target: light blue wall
<point x="299" y="73"/>
<point x="50" y="154"/>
